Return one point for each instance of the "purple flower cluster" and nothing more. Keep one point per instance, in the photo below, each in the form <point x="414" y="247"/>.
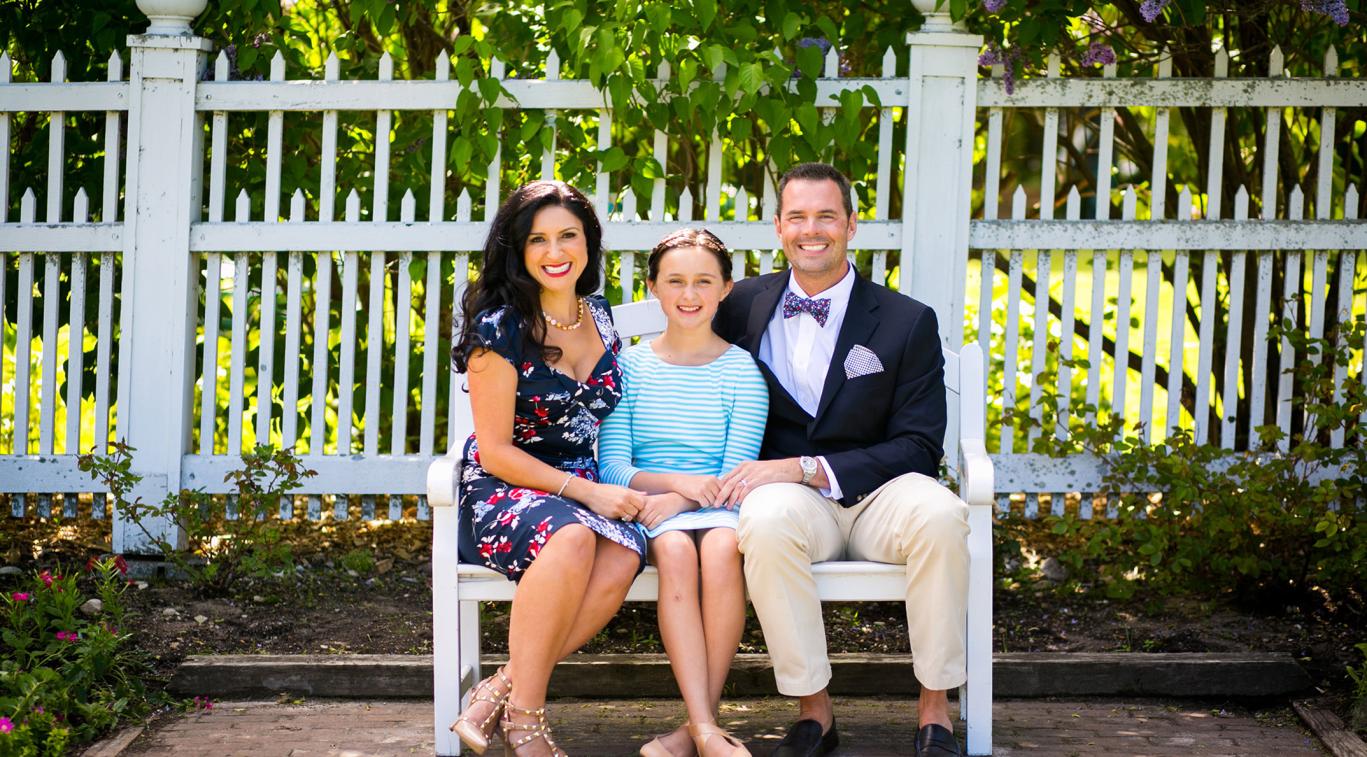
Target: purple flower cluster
<point x="1098" y="54"/>
<point x="995" y="56"/>
<point x="1152" y="9"/>
<point x="1334" y="9"/>
<point x="993" y="6"/>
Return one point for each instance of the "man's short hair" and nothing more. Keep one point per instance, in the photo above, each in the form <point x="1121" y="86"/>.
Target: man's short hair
<point x="817" y="172"/>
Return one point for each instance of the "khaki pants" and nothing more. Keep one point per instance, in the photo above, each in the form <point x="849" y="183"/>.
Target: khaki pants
<point x="911" y="520"/>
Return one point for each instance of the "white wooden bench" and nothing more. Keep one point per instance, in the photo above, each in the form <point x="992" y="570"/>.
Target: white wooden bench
<point x="457" y="589"/>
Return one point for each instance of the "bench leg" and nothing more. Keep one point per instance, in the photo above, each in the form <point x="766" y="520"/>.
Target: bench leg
<point x="976" y="706"/>
<point x="446" y="631"/>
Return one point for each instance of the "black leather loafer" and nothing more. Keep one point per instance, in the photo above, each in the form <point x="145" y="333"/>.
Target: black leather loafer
<point x="805" y="739"/>
<point x="936" y="741"/>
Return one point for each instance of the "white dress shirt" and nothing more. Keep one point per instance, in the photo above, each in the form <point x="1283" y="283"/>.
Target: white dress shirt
<point x="799" y="350"/>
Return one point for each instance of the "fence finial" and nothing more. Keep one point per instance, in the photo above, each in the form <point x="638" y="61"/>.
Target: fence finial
<point x="171" y="17"/>
<point x="937" y="20"/>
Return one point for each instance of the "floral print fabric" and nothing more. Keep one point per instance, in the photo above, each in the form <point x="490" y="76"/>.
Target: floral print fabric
<point x="556" y="420"/>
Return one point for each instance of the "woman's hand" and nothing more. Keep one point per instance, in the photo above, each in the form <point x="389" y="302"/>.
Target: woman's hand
<point x="696" y="488"/>
<point x="616" y="502"/>
<point x="660" y="507"/>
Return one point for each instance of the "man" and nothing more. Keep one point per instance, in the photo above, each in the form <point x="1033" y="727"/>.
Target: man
<point x="849" y="460"/>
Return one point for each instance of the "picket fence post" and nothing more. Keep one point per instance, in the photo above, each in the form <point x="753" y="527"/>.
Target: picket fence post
<point x="941" y="108"/>
<point x="941" y="105"/>
<point x="160" y="277"/>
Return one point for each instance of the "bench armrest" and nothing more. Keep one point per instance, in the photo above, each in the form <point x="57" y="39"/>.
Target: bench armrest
<point x="443" y="478"/>
<point x="976" y="482"/>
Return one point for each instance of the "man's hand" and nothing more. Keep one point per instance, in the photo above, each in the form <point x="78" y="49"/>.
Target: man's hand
<point x="749" y="475"/>
<point x="659" y="507"/>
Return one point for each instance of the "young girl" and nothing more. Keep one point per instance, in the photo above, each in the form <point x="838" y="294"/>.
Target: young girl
<point x="693" y="407"/>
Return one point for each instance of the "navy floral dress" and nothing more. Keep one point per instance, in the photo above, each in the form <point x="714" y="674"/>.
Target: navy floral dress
<point x="555" y="420"/>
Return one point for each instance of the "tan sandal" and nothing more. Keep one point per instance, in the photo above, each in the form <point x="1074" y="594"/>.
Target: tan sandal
<point x="701" y="732"/>
<point x="476" y="735"/>
<point x="656" y="746"/>
<point x="537" y="730"/>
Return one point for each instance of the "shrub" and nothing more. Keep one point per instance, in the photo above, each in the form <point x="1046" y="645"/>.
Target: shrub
<point x="66" y="678"/>
<point x="219" y="549"/>
<point x="1357" y="715"/>
<point x="1279" y="524"/>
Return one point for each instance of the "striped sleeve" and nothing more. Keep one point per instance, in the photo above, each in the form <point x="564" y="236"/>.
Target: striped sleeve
<point x="614" y="439"/>
<point x="749" y="411"/>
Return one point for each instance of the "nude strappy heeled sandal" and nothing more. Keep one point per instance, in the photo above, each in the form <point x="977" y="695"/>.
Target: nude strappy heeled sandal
<point x="537" y="730"/>
<point x="477" y="735"/>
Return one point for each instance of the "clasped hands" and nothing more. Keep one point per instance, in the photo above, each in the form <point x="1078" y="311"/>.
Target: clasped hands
<point x="688" y="492"/>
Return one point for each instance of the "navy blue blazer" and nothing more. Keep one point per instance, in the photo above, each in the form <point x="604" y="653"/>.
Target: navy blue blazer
<point x="871" y="429"/>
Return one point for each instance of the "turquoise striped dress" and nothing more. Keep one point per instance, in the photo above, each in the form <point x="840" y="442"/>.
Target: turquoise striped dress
<point x="696" y="419"/>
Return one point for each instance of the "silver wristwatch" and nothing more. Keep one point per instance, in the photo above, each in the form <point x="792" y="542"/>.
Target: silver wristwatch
<point x="809" y="467"/>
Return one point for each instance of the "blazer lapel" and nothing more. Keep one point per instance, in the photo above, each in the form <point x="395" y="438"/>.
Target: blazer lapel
<point x="761" y="311"/>
<point x="859" y="324"/>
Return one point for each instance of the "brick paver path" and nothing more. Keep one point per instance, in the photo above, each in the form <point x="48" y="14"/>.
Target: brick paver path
<point x="868" y="727"/>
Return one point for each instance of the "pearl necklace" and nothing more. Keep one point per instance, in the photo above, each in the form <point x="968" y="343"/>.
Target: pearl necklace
<point x="578" y="321"/>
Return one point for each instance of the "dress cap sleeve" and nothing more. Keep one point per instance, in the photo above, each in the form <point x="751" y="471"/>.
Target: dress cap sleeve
<point x="499" y="330"/>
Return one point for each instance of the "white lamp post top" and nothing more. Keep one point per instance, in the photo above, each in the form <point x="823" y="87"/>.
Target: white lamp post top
<point x="171" y="17"/>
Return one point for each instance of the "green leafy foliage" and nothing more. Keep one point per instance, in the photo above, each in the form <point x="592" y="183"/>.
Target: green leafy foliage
<point x="219" y="550"/>
<point x="1358" y="675"/>
<point x="67" y="677"/>
<point x="1281" y="524"/>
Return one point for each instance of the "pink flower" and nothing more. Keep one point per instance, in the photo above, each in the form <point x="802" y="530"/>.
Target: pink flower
<point x="46" y="578"/>
<point x="67" y="636"/>
<point x="5" y="725"/>
<point x="19" y="596"/>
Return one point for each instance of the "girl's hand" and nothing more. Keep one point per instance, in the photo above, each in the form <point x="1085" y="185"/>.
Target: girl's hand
<point x="660" y="507"/>
<point x="616" y="502"/>
<point x="696" y="488"/>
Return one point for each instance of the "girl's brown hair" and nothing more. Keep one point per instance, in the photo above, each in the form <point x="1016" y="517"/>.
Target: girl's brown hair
<point x="699" y="238"/>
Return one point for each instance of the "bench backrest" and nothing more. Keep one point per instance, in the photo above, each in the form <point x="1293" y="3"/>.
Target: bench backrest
<point x="645" y="319"/>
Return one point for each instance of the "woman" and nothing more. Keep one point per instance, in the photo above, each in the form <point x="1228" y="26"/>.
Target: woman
<point x="540" y="355"/>
<point x="694" y="408"/>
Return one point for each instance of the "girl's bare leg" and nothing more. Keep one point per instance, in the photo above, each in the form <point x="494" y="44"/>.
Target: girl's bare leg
<point x="681" y="628"/>
<point x="723" y="605"/>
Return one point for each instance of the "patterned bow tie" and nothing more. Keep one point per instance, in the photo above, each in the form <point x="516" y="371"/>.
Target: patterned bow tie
<point x="820" y="309"/>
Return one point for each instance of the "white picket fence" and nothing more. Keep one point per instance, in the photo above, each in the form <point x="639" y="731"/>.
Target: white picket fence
<point x="385" y="401"/>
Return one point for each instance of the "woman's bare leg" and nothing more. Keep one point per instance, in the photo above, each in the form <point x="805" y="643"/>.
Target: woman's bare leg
<point x="544" y="607"/>
<point x="614" y="568"/>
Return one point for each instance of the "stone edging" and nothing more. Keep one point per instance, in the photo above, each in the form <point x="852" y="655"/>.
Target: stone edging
<point x="614" y="676"/>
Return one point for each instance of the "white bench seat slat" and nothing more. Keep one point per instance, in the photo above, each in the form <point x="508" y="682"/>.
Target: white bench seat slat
<point x="840" y="581"/>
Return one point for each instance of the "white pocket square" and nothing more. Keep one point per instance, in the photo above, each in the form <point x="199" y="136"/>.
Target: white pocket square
<point x="861" y="362"/>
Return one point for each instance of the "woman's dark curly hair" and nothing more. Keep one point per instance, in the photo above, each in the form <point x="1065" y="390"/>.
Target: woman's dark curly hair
<point x="503" y="276"/>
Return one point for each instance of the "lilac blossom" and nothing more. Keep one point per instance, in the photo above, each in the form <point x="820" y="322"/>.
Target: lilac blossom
<point x="993" y="6"/>
<point x="1098" y="54"/>
<point x="1152" y="9"/>
<point x="995" y="56"/>
<point x="1334" y="9"/>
